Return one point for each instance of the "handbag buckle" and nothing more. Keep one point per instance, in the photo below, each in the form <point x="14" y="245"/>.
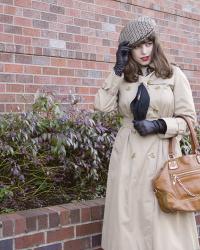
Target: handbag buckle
<point x="172" y="162"/>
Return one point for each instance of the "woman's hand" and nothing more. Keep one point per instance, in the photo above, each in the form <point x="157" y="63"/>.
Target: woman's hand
<point x="146" y="127"/>
<point x="121" y="57"/>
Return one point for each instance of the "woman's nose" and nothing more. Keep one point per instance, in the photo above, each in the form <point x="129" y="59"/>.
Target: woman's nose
<point x="143" y="49"/>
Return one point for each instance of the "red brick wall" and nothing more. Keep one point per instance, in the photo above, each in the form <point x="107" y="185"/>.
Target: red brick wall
<point x="68" y="46"/>
<point x="72" y="226"/>
<point x="75" y="226"/>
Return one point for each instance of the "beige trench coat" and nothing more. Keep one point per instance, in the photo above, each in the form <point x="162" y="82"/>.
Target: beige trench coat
<point x="132" y="217"/>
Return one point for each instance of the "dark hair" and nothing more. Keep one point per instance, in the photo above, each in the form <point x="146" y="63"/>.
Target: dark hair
<point x="160" y="63"/>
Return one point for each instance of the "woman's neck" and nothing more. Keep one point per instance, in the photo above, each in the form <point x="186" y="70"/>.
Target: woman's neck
<point x="144" y="70"/>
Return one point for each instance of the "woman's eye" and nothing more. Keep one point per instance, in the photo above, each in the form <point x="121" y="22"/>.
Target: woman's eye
<point x="149" y="44"/>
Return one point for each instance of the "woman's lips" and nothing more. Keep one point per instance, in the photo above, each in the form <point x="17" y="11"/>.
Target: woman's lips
<point x="146" y="58"/>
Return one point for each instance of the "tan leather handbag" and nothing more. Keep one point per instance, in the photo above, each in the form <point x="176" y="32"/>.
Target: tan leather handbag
<point x="177" y="186"/>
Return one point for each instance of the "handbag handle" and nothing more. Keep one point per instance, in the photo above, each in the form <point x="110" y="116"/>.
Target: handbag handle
<point x="193" y="138"/>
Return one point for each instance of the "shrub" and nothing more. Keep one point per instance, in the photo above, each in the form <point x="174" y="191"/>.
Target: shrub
<point x="50" y="157"/>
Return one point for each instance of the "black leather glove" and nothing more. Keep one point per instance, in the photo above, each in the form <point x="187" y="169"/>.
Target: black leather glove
<point x="146" y="127"/>
<point x="121" y="57"/>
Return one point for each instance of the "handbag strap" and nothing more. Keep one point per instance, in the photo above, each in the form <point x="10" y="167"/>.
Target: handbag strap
<point x="193" y="138"/>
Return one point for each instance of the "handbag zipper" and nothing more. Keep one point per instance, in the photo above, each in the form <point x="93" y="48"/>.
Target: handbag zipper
<point x="176" y="178"/>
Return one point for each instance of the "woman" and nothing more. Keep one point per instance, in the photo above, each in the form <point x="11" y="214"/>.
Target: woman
<point x="148" y="92"/>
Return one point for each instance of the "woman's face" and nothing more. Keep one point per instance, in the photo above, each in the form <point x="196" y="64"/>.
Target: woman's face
<point x="142" y="53"/>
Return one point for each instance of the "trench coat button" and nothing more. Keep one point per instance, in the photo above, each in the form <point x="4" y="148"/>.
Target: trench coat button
<point x="149" y="81"/>
<point x="155" y="110"/>
<point x="128" y="88"/>
<point x="152" y="155"/>
<point x="133" y="155"/>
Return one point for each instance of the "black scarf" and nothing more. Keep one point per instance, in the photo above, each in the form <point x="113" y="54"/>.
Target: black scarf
<point x="140" y="104"/>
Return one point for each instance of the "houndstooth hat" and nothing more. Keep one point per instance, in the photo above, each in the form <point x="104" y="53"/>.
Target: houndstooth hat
<point x="137" y="30"/>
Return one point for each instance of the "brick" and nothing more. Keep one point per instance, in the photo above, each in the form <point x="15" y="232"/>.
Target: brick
<point x="40" y="42"/>
<point x="81" y="39"/>
<point x="58" y="27"/>
<point x="29" y="241"/>
<point x="74" y="212"/>
<point x="57" y="9"/>
<point x="64" y="214"/>
<point x="96" y="240"/>
<point x="23" y="3"/>
<point x="6" y="37"/>
<point x="31" y="13"/>
<point x="48" y="34"/>
<point x="7" y="78"/>
<point x="81" y="73"/>
<point x="20" y="222"/>
<point x="78" y="244"/>
<point x="59" y="81"/>
<point x="51" y="52"/>
<point x="7" y="227"/>
<point x="40" y="24"/>
<point x="6" y="57"/>
<point x="95" y="25"/>
<point x="9" y="10"/>
<point x="6" y="19"/>
<point x="81" y="22"/>
<point x="22" y="21"/>
<point x="73" y="29"/>
<point x="66" y="72"/>
<point x="85" y="214"/>
<point x="50" y="247"/>
<point x="19" y="49"/>
<point x="58" y="62"/>
<point x="50" y="71"/>
<point x="89" y="228"/>
<point x="97" y="213"/>
<point x="66" y="19"/>
<point x="28" y="50"/>
<point x="40" y="6"/>
<point x="27" y="31"/>
<point x="41" y="60"/>
<point x="49" y="17"/>
<point x="82" y="90"/>
<point x="24" y="78"/>
<point x="30" y="220"/>
<point x="54" y="220"/>
<point x="24" y="59"/>
<point x="2" y="107"/>
<point x="60" y="234"/>
<point x="65" y="3"/>
<point x="36" y="70"/>
<point x="14" y="88"/>
<point x="65" y="36"/>
<point x="13" y="68"/>
<point x="42" y="79"/>
<point x="73" y="46"/>
<point x="12" y="29"/>
<point x="7" y="1"/>
<point x="6" y="244"/>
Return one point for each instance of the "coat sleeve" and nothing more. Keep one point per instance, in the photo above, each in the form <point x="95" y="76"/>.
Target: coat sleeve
<point x="183" y="105"/>
<point x="106" y="97"/>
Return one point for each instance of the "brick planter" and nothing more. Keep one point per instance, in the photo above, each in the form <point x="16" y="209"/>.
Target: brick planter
<point x="74" y="226"/>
